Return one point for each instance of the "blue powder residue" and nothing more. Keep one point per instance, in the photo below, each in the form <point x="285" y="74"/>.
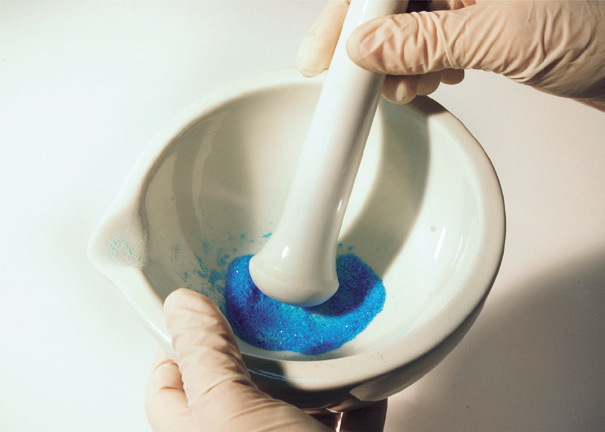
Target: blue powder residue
<point x="269" y="324"/>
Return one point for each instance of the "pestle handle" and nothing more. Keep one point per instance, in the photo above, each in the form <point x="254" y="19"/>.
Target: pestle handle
<point x="298" y="264"/>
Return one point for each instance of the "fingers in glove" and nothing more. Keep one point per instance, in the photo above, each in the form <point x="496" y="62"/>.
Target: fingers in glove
<point x="165" y="401"/>
<point x="452" y="76"/>
<point x="428" y="83"/>
<point x="400" y="89"/>
<point x="552" y="46"/>
<point x="466" y="38"/>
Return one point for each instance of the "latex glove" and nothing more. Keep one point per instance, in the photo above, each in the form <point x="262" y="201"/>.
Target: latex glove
<point x="557" y="47"/>
<point x="317" y="48"/>
<point x="208" y="388"/>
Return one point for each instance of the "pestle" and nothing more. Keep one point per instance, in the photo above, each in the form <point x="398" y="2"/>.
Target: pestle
<point x="297" y="265"/>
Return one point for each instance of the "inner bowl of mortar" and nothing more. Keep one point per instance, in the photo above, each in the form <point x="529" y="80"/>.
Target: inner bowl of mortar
<point x="426" y="214"/>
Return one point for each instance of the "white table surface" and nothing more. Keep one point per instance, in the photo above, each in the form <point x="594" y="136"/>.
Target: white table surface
<point x="85" y="85"/>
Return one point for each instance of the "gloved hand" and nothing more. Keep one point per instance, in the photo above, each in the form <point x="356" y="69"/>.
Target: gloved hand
<point x="209" y="388"/>
<point x="557" y="47"/>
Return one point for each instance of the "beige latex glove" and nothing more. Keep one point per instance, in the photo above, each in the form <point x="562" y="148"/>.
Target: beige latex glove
<point x="209" y="388"/>
<point x="557" y="47"/>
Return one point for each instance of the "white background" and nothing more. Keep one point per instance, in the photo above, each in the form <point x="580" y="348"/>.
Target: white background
<point x="85" y="85"/>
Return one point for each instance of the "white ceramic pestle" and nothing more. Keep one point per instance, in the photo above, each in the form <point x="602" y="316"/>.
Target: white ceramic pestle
<point x="298" y="264"/>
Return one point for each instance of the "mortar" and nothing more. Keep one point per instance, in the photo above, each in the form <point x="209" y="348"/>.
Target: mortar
<point x="426" y="213"/>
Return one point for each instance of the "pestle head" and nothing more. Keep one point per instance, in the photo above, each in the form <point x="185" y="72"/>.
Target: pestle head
<point x="283" y="277"/>
<point x="257" y="319"/>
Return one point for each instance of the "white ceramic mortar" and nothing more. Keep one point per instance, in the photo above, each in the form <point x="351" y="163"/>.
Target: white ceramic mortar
<point x="426" y="213"/>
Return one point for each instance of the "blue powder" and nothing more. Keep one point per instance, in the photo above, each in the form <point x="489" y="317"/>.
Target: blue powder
<point x="269" y="324"/>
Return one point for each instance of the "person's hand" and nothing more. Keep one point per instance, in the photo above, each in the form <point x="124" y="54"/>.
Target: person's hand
<point x="208" y="388"/>
<point x="557" y="47"/>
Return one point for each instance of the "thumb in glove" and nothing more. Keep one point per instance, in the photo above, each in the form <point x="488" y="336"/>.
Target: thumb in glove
<point x="207" y="386"/>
